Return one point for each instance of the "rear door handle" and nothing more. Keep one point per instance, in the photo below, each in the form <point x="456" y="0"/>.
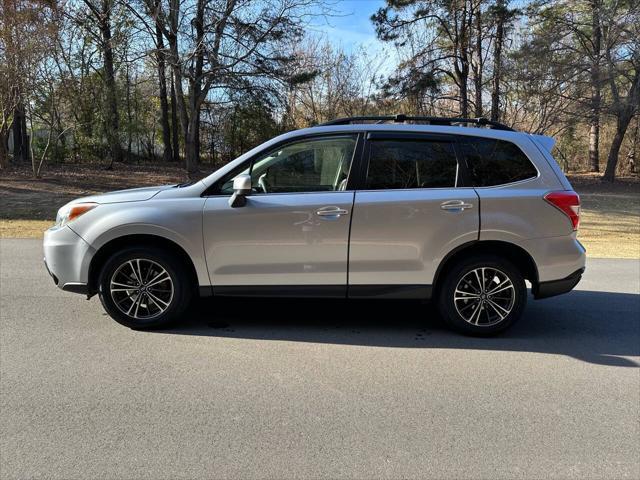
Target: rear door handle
<point x="331" y="212"/>
<point x="455" y="205"/>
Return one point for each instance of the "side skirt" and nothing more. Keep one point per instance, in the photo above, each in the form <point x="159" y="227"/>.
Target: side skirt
<point x="422" y="292"/>
<point x="290" y="291"/>
<point x="322" y="291"/>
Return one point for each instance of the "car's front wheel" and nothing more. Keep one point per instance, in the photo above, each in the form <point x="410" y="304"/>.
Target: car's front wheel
<point x="144" y="287"/>
<point x="482" y="295"/>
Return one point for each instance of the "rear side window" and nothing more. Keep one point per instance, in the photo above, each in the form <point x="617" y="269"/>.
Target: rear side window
<point x="401" y="164"/>
<point x="495" y="162"/>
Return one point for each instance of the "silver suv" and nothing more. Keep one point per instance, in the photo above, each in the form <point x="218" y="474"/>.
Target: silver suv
<point x="462" y="211"/>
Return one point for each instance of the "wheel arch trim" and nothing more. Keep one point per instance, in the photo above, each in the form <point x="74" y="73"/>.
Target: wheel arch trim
<point x="154" y="238"/>
<point x="522" y="259"/>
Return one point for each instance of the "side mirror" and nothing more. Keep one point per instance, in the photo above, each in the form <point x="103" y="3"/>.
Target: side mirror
<point x="241" y="188"/>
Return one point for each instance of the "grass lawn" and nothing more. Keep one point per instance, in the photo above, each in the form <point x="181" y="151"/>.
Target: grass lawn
<point x="609" y="227"/>
<point x="610" y="220"/>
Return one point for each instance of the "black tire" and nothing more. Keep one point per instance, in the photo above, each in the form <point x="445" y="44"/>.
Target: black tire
<point x="176" y="304"/>
<point x="489" y="310"/>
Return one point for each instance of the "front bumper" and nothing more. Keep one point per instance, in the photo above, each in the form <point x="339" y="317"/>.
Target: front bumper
<point x="66" y="258"/>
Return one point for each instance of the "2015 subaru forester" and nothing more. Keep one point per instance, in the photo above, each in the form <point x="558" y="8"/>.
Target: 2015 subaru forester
<point x="458" y="210"/>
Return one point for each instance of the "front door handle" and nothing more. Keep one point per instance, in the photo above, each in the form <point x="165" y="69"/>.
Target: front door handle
<point x="455" y="205"/>
<point x="333" y="212"/>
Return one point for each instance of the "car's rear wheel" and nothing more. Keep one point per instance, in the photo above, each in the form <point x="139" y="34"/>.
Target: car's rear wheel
<point x="482" y="295"/>
<point x="144" y="287"/>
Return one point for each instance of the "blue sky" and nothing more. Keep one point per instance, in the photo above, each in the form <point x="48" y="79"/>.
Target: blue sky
<point x="350" y="26"/>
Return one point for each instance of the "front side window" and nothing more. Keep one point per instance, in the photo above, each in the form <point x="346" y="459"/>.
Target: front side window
<point x="314" y="165"/>
<point x="401" y="164"/>
<point x="495" y="162"/>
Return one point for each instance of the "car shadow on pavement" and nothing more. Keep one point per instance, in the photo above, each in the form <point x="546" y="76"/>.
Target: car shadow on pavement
<point x="596" y="327"/>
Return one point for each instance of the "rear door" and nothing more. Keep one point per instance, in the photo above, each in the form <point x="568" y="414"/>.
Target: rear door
<point x="411" y="208"/>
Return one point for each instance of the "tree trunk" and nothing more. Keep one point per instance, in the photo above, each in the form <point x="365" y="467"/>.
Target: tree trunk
<point x="20" y="136"/>
<point x="191" y="134"/>
<point x="174" y="61"/>
<point x="464" y="96"/>
<point x="625" y="109"/>
<point x="4" y="149"/>
<point x="182" y="107"/>
<point x="191" y="147"/>
<point x="477" y="71"/>
<point x="463" y="69"/>
<point x="112" y="121"/>
<point x="175" y="132"/>
<point x="497" y="62"/>
<point x="188" y="106"/>
<point x="594" y="142"/>
<point x="164" y="105"/>
<point x="197" y="137"/>
<point x="622" y="123"/>
<point x="129" y="114"/>
<point x="196" y="89"/>
<point x="594" y="130"/>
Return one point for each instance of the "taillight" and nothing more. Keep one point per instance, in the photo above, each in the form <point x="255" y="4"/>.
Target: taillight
<point x="568" y="202"/>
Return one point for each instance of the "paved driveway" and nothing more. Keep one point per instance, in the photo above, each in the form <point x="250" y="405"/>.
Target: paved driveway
<point x="322" y="389"/>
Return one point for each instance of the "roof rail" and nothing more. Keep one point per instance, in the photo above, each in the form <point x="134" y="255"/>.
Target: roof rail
<point x="400" y="118"/>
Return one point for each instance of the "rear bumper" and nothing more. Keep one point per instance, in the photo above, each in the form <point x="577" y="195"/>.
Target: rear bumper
<point x="557" y="287"/>
<point x="556" y="258"/>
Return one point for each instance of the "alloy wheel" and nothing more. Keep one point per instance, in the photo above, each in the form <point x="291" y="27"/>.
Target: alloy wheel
<point x="484" y="296"/>
<point x="141" y="288"/>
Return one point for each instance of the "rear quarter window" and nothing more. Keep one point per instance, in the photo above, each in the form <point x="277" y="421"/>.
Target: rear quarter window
<point x="494" y="162"/>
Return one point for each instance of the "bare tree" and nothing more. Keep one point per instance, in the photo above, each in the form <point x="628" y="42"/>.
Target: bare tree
<point x="225" y="43"/>
<point x="623" y="71"/>
<point x="621" y="49"/>
<point x="502" y="17"/>
<point x="595" y="41"/>
<point x="43" y="113"/>
<point x="9" y="93"/>
<point x="477" y="59"/>
<point x="175" y="131"/>
<point x="101" y="12"/>
<point x="327" y="83"/>
<point x="26" y="29"/>
<point x="167" y="154"/>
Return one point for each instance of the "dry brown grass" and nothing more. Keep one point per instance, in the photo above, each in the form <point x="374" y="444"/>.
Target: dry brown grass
<point x="24" y="198"/>
<point x="610" y="235"/>
<point x="23" y="228"/>
<point x="610" y="221"/>
<point x="610" y="224"/>
<point x="28" y="206"/>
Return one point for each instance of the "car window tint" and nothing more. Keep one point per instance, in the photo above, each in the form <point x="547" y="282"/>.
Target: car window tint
<point x="314" y="165"/>
<point x="400" y="164"/>
<point x="495" y="162"/>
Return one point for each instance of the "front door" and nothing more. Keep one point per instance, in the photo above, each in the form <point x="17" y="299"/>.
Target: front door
<point x="293" y="231"/>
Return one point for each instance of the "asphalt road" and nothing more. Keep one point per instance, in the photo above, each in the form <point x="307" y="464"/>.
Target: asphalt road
<point x="317" y="389"/>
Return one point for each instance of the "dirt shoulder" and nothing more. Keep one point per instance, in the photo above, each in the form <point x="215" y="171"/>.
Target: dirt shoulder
<point x="610" y="225"/>
<point x="25" y="198"/>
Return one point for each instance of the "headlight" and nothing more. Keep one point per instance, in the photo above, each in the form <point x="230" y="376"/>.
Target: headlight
<point x="69" y="213"/>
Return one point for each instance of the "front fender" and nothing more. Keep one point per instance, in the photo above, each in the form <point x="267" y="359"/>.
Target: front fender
<point x="177" y="220"/>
